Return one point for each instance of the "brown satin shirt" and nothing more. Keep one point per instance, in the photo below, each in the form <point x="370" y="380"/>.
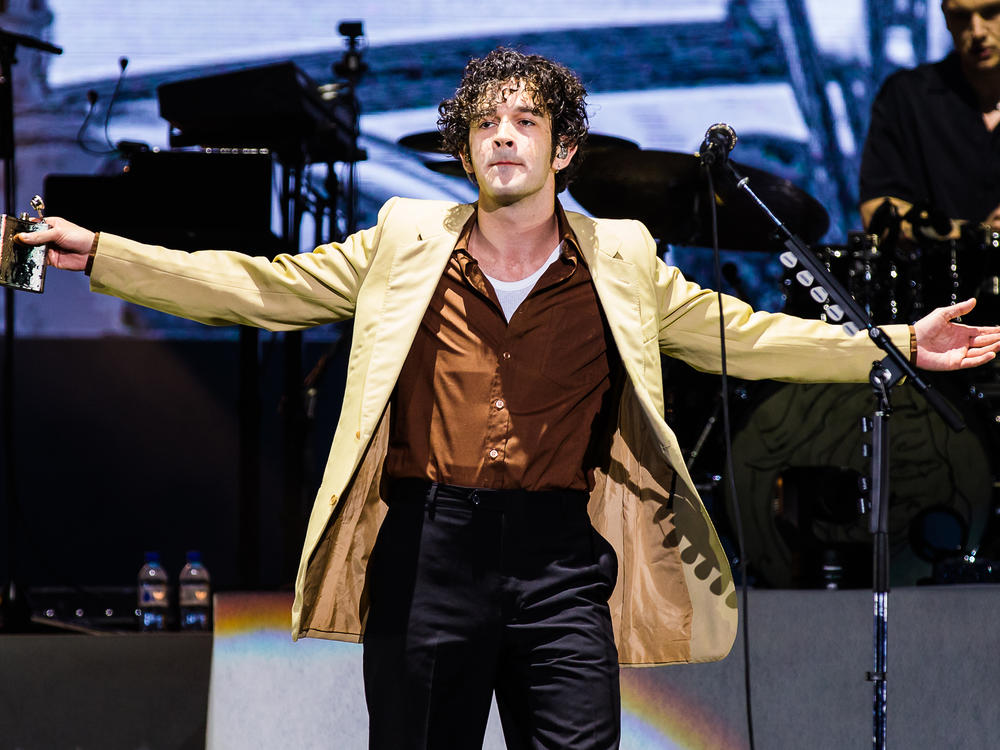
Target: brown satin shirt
<point x="481" y="402"/>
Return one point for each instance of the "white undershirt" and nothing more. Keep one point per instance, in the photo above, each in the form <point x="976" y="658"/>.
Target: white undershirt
<point x="512" y="293"/>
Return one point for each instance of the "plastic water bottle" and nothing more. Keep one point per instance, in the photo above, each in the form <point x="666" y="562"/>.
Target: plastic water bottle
<point x="195" y="594"/>
<point x="154" y="594"/>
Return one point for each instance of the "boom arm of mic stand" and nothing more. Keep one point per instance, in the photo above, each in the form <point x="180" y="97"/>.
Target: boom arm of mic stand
<point x="10" y="39"/>
<point x="852" y="310"/>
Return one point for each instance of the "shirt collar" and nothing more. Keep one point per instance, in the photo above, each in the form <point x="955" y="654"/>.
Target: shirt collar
<point x="568" y="241"/>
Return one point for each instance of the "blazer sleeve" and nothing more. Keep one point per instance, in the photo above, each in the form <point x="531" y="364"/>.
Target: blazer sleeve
<point x="759" y="345"/>
<point x="222" y="287"/>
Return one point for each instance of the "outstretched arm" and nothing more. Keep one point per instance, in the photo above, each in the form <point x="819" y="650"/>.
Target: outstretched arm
<point x="220" y="287"/>
<point x="945" y="345"/>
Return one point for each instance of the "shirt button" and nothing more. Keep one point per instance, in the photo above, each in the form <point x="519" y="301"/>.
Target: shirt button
<point x="494" y="453"/>
<point x="505" y="355"/>
<point x="498" y="403"/>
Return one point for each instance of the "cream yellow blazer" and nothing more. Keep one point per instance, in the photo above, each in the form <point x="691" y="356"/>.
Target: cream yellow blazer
<point x="675" y="600"/>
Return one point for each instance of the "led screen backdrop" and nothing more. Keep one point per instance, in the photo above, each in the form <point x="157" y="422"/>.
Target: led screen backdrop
<point x="793" y="77"/>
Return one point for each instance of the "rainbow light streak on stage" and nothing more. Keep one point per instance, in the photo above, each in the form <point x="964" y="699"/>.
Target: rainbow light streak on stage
<point x="267" y="691"/>
<point x="659" y="712"/>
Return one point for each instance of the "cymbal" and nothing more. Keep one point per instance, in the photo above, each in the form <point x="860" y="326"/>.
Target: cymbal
<point x="596" y="142"/>
<point x="666" y="191"/>
<point x="431" y="143"/>
<point x="450" y="167"/>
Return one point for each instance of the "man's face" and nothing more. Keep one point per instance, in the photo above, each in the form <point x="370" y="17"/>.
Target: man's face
<point x="510" y="147"/>
<point x="975" y="29"/>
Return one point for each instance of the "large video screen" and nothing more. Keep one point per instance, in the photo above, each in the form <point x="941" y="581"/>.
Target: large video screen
<point x="794" y="79"/>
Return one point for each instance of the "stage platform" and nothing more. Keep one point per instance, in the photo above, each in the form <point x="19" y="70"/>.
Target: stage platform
<point x="250" y="687"/>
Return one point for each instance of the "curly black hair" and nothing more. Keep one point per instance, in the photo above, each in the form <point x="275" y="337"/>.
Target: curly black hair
<point x="553" y="87"/>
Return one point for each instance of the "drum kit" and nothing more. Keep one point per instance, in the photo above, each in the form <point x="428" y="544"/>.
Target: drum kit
<point x="799" y="451"/>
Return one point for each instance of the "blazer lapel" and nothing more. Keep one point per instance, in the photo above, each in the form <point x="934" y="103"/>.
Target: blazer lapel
<point x="413" y="276"/>
<point x="614" y="280"/>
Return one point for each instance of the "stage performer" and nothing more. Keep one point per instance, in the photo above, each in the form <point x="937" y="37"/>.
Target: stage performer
<point x="932" y="141"/>
<point x="502" y="430"/>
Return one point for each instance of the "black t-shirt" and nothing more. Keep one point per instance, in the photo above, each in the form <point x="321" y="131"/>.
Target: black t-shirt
<point x="927" y="143"/>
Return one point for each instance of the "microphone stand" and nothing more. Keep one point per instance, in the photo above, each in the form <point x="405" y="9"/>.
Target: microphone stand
<point x="842" y="308"/>
<point x="14" y="613"/>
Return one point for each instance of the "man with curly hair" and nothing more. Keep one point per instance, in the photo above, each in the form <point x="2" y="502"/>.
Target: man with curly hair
<point x="502" y="430"/>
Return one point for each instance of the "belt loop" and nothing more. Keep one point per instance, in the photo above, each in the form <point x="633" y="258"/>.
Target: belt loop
<point x="430" y="504"/>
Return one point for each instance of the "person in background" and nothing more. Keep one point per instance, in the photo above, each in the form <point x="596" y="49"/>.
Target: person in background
<point x="932" y="154"/>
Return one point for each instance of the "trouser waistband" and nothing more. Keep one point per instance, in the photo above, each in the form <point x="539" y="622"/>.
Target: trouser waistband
<point x="407" y="490"/>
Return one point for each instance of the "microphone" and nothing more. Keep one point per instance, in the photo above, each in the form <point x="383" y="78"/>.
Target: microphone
<point x="91" y="101"/>
<point x="92" y="98"/>
<point x="122" y="64"/>
<point x="923" y="216"/>
<point x="719" y="141"/>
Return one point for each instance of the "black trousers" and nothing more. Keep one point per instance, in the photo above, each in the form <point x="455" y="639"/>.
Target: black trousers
<point x="476" y="591"/>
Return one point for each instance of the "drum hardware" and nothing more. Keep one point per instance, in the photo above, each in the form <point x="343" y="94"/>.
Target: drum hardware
<point x="732" y="275"/>
<point x="929" y="272"/>
<point x="882" y="377"/>
<point x="966" y="569"/>
<point x="984" y="390"/>
<point x="431" y="142"/>
<point x="944" y="548"/>
<point x="989" y="544"/>
<point x="807" y="501"/>
<point x="706" y="430"/>
<point x="939" y="533"/>
<point x="984" y="396"/>
<point x="803" y="439"/>
<point x="447" y="167"/>
<point x="927" y="221"/>
<point x="861" y="267"/>
<point x="979" y="565"/>
<point x="713" y="496"/>
<point x="986" y="242"/>
<point x="896" y="283"/>
<point x="665" y="190"/>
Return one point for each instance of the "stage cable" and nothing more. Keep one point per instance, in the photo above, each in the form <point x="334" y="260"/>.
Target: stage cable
<point x="728" y="439"/>
<point x="92" y="98"/>
<point x="80" y="141"/>
<point x="122" y="64"/>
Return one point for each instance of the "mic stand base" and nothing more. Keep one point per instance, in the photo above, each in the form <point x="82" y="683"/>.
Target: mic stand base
<point x="883" y="376"/>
